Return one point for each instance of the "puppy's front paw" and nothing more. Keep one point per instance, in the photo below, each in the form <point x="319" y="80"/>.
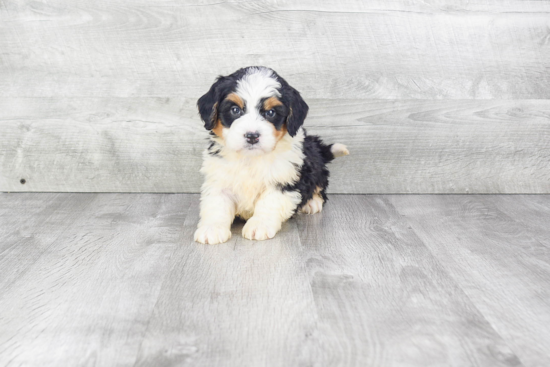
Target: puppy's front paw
<point x="212" y="235"/>
<point x="314" y="205"/>
<point x="256" y="229"/>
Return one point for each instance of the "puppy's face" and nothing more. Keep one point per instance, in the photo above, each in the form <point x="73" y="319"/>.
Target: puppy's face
<point x="251" y="110"/>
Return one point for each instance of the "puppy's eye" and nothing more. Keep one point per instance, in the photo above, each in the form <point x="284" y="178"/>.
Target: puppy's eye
<point x="235" y="110"/>
<point x="270" y="113"/>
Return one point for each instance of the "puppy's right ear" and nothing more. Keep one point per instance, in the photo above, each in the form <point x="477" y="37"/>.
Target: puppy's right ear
<point x="208" y="104"/>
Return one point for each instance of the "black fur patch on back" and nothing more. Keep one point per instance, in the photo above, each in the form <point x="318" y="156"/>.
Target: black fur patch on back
<point x="313" y="172"/>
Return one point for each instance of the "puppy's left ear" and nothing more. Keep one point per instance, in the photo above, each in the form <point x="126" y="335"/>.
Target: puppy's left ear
<point x="298" y="111"/>
<point x="208" y="104"/>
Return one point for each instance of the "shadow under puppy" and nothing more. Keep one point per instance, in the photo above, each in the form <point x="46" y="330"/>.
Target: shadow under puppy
<point x="260" y="163"/>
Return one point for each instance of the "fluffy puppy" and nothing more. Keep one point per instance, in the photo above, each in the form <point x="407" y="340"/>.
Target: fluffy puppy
<point x="260" y="163"/>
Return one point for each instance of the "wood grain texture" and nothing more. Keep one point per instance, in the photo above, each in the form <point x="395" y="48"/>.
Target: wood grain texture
<point x="121" y="282"/>
<point x="432" y="97"/>
<point x="19" y="239"/>
<point x="101" y="145"/>
<point x="155" y="145"/>
<point x="241" y="303"/>
<point x="88" y="295"/>
<point x="371" y="276"/>
<point x="330" y="49"/>
<point x="497" y="249"/>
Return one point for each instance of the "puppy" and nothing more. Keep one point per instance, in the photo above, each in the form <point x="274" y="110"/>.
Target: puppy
<point x="260" y="164"/>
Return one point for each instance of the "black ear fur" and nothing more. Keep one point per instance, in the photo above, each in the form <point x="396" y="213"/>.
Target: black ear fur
<point x="208" y="103"/>
<point x="298" y="111"/>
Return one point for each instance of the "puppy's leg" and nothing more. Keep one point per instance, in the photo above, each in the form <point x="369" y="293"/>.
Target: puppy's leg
<point x="217" y="214"/>
<point x="271" y="210"/>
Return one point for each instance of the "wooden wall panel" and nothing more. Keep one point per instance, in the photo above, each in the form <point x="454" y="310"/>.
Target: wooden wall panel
<point x="436" y="96"/>
<point x="329" y="49"/>
<point x="155" y="145"/>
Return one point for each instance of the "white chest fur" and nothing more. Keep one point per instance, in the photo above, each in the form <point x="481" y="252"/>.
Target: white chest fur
<point x="245" y="179"/>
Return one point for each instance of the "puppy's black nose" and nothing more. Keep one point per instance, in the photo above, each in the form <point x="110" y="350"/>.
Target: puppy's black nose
<point x="252" y="138"/>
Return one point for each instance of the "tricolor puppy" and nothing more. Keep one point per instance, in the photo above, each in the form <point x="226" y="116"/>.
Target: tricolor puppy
<point x="260" y="164"/>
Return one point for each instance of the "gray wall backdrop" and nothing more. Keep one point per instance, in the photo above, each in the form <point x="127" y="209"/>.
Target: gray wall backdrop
<point x="430" y="96"/>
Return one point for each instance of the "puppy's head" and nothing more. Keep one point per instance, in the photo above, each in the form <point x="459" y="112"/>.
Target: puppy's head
<point x="252" y="109"/>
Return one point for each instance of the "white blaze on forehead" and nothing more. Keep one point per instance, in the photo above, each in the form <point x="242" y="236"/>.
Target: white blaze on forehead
<point x="257" y="83"/>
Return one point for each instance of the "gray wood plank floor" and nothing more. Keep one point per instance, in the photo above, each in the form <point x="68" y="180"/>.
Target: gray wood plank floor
<point x="373" y="280"/>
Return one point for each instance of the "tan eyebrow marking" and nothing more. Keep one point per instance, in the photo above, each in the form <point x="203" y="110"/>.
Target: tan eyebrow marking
<point x="272" y="102"/>
<point x="234" y="97"/>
